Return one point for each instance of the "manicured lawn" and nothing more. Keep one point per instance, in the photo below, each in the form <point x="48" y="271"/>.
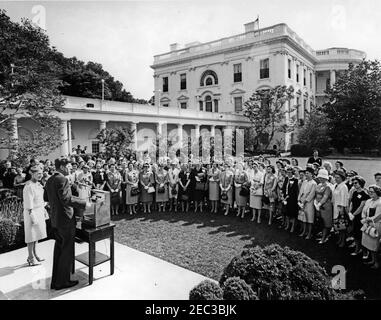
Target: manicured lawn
<point x="206" y="243"/>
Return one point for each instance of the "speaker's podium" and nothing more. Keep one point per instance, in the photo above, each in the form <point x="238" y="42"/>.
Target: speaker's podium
<point x="96" y="226"/>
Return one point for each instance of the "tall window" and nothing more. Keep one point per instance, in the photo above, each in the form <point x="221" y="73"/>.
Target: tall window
<point x="304" y="77"/>
<point x="201" y="105"/>
<point x="238" y="104"/>
<point x="237" y="72"/>
<point x="183" y="81"/>
<point x="297" y="108"/>
<point x="310" y="80"/>
<point x="297" y="73"/>
<point x="95" y="147"/>
<point x="264" y="69"/>
<point x="216" y="105"/>
<point x="165" y="84"/>
<point x="305" y="107"/>
<point x="289" y="68"/>
<point x="208" y="104"/>
<point x="183" y="105"/>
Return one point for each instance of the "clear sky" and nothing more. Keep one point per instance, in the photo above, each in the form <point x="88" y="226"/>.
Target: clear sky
<point x="125" y="35"/>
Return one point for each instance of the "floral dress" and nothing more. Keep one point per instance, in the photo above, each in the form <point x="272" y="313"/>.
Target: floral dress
<point x="132" y="180"/>
<point x="214" y="189"/>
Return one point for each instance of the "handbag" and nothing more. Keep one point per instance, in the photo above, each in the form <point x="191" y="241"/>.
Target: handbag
<point x="200" y="186"/>
<point x="135" y="191"/>
<point x="340" y="224"/>
<point x="174" y="191"/>
<point x="244" y="192"/>
<point x="185" y="197"/>
<point x="224" y="196"/>
<point x="266" y="200"/>
<point x="151" y="190"/>
<point x="161" y="189"/>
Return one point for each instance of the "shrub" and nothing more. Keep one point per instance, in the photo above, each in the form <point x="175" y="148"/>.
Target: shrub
<point x="8" y="231"/>
<point x="237" y="289"/>
<point x="206" y="290"/>
<point x="277" y="273"/>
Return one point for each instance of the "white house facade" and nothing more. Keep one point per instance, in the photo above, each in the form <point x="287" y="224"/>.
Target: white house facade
<point x="200" y="90"/>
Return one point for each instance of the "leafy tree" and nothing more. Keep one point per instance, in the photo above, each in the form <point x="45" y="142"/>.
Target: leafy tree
<point x="267" y="113"/>
<point x="116" y="141"/>
<point x="314" y="133"/>
<point x="354" y="107"/>
<point x="29" y="86"/>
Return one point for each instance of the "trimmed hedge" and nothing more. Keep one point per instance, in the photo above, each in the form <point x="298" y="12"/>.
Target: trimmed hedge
<point x="237" y="289"/>
<point x="301" y="150"/>
<point x="206" y="290"/>
<point x="277" y="273"/>
<point x="8" y="232"/>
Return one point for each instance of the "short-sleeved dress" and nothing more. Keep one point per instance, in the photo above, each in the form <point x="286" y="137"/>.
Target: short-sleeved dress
<point x="372" y="209"/>
<point x="239" y="179"/>
<point x="256" y="190"/>
<point x="85" y="181"/>
<point x="184" y="177"/>
<point x="148" y="180"/>
<point x="33" y="195"/>
<point x="214" y="181"/>
<point x="173" y="176"/>
<point x="114" y="179"/>
<point x="162" y="178"/>
<point x="269" y="181"/>
<point x="326" y="209"/>
<point x="132" y="177"/>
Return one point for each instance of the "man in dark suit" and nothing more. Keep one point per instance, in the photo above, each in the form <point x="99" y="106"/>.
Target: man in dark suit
<point x="61" y="201"/>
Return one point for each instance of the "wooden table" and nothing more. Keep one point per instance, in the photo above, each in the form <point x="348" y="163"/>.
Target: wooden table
<point x="93" y="258"/>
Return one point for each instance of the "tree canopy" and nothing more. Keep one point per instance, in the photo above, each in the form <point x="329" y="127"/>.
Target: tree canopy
<point x="354" y="107"/>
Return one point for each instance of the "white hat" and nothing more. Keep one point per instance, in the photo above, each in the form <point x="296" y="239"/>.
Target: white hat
<point x="323" y="174"/>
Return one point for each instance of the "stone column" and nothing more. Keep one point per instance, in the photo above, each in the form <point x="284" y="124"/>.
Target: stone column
<point x="102" y="125"/>
<point x="64" y="138"/>
<point x="134" y="127"/>
<point x="180" y="135"/>
<point x="69" y="144"/>
<point x="333" y="77"/>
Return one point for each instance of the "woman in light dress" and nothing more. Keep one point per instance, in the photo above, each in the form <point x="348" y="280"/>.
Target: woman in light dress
<point x="214" y="190"/>
<point x="146" y="180"/>
<point x="340" y="201"/>
<point x="34" y="214"/>
<point x="173" y="187"/>
<point x="114" y="181"/>
<point x="256" y="191"/>
<point x="240" y="180"/>
<point x="226" y="186"/>
<point x="306" y="203"/>
<point x="371" y="215"/>
<point x="132" y="183"/>
<point x="84" y="182"/>
<point x="269" y="191"/>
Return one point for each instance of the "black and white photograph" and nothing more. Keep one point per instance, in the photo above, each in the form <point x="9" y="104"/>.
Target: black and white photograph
<point x="205" y="152"/>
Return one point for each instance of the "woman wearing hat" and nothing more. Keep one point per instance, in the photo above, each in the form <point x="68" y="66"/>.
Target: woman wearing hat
<point x="146" y="181"/>
<point x="85" y="182"/>
<point x="256" y="191"/>
<point x="290" y="198"/>
<point x="306" y="203"/>
<point x="173" y="176"/>
<point x="323" y="203"/>
<point x="357" y="203"/>
<point x="269" y="191"/>
<point x="372" y="225"/>
<point x="240" y="180"/>
<point x="184" y="182"/>
<point x="214" y="191"/>
<point x="114" y="181"/>
<point x="132" y="188"/>
<point x="340" y="202"/>
<point x="161" y="178"/>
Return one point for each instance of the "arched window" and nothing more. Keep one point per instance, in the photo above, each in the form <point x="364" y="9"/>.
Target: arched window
<point x="208" y="104"/>
<point x="208" y="78"/>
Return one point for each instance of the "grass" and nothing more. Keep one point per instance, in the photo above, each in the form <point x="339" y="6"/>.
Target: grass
<point x="205" y="243"/>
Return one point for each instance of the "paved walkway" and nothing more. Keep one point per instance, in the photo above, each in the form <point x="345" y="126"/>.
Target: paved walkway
<point x="138" y="276"/>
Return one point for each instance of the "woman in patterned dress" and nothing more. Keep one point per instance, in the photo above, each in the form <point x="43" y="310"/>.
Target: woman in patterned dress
<point x="226" y="186"/>
<point x="114" y="181"/>
<point x="132" y="183"/>
<point x="173" y="176"/>
<point x="256" y="191"/>
<point x="162" y="180"/>
<point x="184" y="182"/>
<point x="146" y="179"/>
<point x="84" y="182"/>
<point x="214" y="191"/>
<point x="199" y="177"/>
<point x="240" y="179"/>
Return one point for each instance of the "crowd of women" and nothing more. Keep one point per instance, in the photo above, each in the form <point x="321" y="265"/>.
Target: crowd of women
<point x="316" y="202"/>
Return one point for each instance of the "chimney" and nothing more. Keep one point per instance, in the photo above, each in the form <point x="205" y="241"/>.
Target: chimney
<point x="173" y="46"/>
<point x="249" y="26"/>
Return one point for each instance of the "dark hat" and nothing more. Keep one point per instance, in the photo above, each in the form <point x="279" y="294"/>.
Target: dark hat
<point x="311" y="170"/>
<point x="352" y="173"/>
<point x="341" y="174"/>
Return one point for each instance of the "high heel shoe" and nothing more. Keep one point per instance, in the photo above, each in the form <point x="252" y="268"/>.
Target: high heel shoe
<point x="31" y="262"/>
<point x="39" y="259"/>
